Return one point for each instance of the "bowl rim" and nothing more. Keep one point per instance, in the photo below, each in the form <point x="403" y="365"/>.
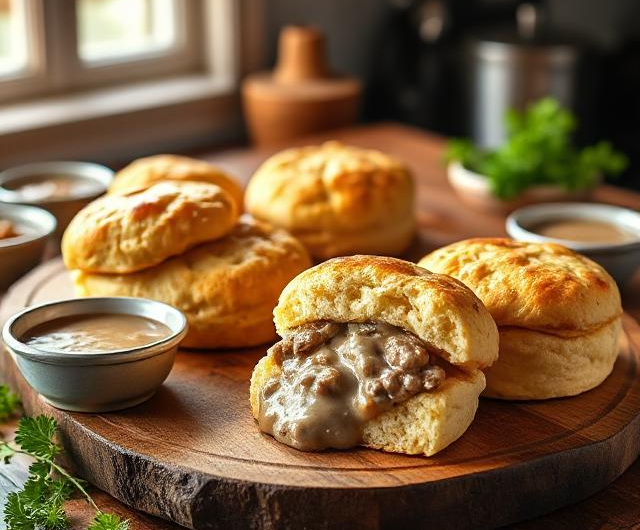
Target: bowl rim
<point x="14" y="212"/>
<point x="516" y="223"/>
<point x="462" y="175"/>
<point x="98" y="173"/>
<point x="119" y="356"/>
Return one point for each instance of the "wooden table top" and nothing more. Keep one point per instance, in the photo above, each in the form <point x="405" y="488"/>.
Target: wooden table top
<point x="446" y="220"/>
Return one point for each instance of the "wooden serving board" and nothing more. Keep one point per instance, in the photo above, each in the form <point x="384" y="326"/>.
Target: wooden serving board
<point x="193" y="454"/>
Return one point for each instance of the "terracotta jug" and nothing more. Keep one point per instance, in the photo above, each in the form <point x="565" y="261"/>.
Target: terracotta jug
<point x="301" y="95"/>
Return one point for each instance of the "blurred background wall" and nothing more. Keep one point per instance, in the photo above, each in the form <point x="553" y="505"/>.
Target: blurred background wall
<point x="355" y="25"/>
<point x="418" y="70"/>
<point x="110" y="80"/>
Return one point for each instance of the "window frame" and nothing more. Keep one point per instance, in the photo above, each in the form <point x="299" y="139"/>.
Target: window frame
<point x="114" y="124"/>
<point x="55" y="66"/>
<point x="33" y="79"/>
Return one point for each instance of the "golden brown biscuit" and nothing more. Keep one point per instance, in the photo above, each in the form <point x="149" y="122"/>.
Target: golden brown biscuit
<point x="554" y="366"/>
<point x="558" y="314"/>
<point x="337" y="200"/>
<point x="409" y="301"/>
<point x="135" y="231"/>
<point x="541" y="286"/>
<point x="145" y="172"/>
<point x="437" y="308"/>
<point x="227" y="288"/>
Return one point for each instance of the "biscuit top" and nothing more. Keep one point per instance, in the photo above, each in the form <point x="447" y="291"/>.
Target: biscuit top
<point x="539" y="286"/>
<point x="331" y="186"/>
<point x="127" y="233"/>
<point x="145" y="172"/>
<point x="438" y="309"/>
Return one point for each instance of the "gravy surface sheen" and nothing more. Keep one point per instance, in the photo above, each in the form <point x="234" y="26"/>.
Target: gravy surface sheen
<point x="97" y="332"/>
<point x="336" y="377"/>
<point x="584" y="230"/>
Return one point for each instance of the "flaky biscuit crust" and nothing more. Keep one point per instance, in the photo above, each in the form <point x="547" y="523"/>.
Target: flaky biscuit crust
<point x="226" y="288"/>
<point x="438" y="309"/>
<point x="536" y="365"/>
<point x="424" y="424"/>
<point x="544" y="287"/>
<point x="128" y="233"/>
<point x="336" y="199"/>
<point x="145" y="172"/>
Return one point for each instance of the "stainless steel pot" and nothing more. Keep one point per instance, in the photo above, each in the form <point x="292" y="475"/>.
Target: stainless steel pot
<point x="509" y="68"/>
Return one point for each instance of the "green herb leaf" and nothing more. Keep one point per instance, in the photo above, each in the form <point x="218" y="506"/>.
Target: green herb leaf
<point x="108" y="521"/>
<point x="40" y="503"/>
<point x="538" y="150"/>
<point x="35" y="436"/>
<point x="38" y="506"/>
<point x="9" y="402"/>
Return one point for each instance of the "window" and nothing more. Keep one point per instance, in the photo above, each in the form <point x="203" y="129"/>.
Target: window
<point x="116" y="79"/>
<point x="104" y="33"/>
<point x="13" y="45"/>
<point x="54" y="46"/>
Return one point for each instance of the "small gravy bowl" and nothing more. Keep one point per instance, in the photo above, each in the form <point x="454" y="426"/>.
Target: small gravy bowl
<point x="21" y="252"/>
<point x="621" y="259"/>
<point x="61" y="188"/>
<point x="95" y="381"/>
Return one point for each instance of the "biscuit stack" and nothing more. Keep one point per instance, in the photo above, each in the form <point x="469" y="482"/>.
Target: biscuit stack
<point x="170" y="229"/>
<point x="558" y="313"/>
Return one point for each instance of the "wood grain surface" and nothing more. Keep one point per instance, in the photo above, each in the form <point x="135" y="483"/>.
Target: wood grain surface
<point x="193" y="454"/>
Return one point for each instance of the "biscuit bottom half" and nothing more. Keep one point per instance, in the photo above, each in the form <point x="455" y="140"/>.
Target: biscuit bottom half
<point x="390" y="239"/>
<point x="424" y="424"/>
<point x="226" y="288"/>
<point x="536" y="365"/>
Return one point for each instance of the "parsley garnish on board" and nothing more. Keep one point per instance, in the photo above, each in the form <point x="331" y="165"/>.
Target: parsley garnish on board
<point x="40" y="503"/>
<point x="538" y="150"/>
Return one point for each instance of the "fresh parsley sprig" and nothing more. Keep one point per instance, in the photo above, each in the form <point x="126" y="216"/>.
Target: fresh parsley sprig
<point x="40" y="503"/>
<point x="538" y="150"/>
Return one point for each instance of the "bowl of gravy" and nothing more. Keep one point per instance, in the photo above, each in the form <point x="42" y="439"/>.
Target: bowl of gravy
<point x="609" y="235"/>
<point x="24" y="233"/>
<point x="62" y="188"/>
<point x="95" y="354"/>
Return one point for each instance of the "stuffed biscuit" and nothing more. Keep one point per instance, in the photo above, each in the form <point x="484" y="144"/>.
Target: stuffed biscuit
<point x="376" y="352"/>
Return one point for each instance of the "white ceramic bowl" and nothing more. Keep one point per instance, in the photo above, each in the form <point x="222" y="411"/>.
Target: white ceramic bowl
<point x="95" y="381"/>
<point x="63" y="208"/>
<point x="18" y="255"/>
<point x="473" y="189"/>
<point x="622" y="260"/>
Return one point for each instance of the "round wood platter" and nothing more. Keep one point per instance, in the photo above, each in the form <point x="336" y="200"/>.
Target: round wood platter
<point x="193" y="454"/>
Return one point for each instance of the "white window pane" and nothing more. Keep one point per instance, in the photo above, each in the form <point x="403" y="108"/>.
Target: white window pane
<point x="111" y="29"/>
<point x="13" y="44"/>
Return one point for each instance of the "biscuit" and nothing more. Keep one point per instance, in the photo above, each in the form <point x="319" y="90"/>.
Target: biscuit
<point x="145" y="172"/>
<point x="227" y="288"/>
<point x="558" y="314"/>
<point x="338" y="200"/>
<point x="437" y="308"/>
<point x="536" y="365"/>
<point x="540" y="286"/>
<point x="135" y="231"/>
<point x="443" y="313"/>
